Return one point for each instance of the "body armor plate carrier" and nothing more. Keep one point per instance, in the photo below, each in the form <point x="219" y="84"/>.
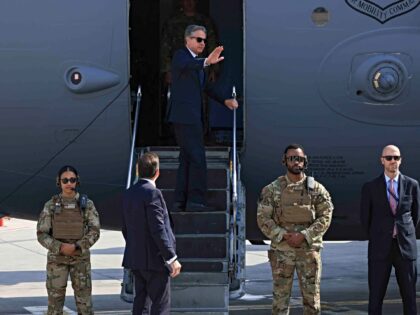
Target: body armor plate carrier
<point x="296" y="203"/>
<point x="67" y="222"/>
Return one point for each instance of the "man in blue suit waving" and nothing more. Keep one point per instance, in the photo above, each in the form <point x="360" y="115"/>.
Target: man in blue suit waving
<point x="150" y="242"/>
<point x="186" y="115"/>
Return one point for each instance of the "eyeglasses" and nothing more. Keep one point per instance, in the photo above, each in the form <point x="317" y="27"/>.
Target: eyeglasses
<point x="199" y="39"/>
<point x="295" y="158"/>
<point x="65" y="180"/>
<point x="390" y="157"/>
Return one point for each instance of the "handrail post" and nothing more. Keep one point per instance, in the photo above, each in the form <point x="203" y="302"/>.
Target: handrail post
<point x="133" y="138"/>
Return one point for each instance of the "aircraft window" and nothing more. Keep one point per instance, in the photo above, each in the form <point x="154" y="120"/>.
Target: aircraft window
<point x="320" y="16"/>
<point x="76" y="77"/>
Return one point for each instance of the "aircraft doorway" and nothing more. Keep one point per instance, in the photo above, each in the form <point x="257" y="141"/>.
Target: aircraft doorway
<point x="153" y="37"/>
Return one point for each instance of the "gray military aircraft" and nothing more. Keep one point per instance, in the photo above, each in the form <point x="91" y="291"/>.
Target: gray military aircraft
<point x="338" y="77"/>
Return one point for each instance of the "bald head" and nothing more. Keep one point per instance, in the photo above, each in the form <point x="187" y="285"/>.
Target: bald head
<point x="391" y="160"/>
<point x="390" y="150"/>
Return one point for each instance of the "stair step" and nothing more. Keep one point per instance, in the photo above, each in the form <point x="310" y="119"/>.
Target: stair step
<point x="201" y="246"/>
<point x="201" y="278"/>
<point x="216" y="178"/>
<point x="200" y="297"/>
<point x="173" y="164"/>
<point x="200" y="222"/>
<point x="204" y="265"/>
<point x="216" y="198"/>
<point x="173" y="152"/>
<point x="200" y="312"/>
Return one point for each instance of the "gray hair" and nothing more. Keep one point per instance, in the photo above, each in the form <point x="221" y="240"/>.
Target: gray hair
<point x="193" y="28"/>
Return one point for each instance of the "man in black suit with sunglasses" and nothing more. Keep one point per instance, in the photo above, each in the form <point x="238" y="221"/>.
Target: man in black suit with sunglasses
<point x="186" y="114"/>
<point x="389" y="215"/>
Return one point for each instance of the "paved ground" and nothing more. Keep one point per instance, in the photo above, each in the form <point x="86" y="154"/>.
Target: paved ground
<point x="22" y="275"/>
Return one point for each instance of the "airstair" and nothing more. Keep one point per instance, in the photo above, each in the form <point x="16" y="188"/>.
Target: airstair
<point x="210" y="245"/>
<point x="203" y="238"/>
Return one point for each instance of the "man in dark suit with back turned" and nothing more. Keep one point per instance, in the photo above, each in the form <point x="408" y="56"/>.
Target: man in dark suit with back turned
<point x="186" y="115"/>
<point x="150" y="243"/>
<point x="389" y="215"/>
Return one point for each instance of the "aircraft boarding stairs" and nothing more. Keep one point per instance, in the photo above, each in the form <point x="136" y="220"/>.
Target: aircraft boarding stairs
<point x="212" y="258"/>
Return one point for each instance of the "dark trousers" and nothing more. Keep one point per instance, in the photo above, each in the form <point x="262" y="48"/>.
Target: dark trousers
<point x="154" y="287"/>
<point x="191" y="182"/>
<point x="406" y="274"/>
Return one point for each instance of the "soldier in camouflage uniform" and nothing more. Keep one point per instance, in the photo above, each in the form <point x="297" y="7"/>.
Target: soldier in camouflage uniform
<point x="173" y="36"/>
<point x="68" y="226"/>
<point x="294" y="212"/>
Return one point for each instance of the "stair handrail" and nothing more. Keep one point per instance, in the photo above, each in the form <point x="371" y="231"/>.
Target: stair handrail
<point x="133" y="138"/>
<point x="128" y="279"/>
<point x="234" y="186"/>
<point x="234" y="179"/>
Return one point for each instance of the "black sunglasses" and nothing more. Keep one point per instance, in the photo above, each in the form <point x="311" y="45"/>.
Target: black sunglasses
<point x="65" y="180"/>
<point x="390" y="157"/>
<point x="295" y="158"/>
<point x="200" y="39"/>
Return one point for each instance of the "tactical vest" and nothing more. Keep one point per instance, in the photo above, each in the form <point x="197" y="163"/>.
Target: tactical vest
<point x="67" y="221"/>
<point x="295" y="204"/>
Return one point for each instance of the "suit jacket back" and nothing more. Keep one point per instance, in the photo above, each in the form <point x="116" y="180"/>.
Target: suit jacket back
<point x="378" y="221"/>
<point x="147" y="228"/>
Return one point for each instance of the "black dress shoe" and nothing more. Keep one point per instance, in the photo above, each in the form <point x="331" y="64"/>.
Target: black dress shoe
<point x="198" y="207"/>
<point x="178" y="207"/>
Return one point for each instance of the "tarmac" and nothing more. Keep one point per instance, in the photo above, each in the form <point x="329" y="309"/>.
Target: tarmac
<point x="344" y="288"/>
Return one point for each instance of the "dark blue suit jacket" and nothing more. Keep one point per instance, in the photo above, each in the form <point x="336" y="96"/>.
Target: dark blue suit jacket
<point x="185" y="104"/>
<point x="378" y="221"/>
<point x="147" y="229"/>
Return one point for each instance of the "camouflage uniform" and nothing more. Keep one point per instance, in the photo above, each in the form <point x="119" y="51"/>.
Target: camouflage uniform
<point x="60" y="266"/>
<point x="284" y="207"/>
<point x="173" y="36"/>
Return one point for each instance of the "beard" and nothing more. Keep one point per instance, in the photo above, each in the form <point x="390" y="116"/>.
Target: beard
<point x="294" y="169"/>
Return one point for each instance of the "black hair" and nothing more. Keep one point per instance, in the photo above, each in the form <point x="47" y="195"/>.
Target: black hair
<point x="293" y="146"/>
<point x="67" y="168"/>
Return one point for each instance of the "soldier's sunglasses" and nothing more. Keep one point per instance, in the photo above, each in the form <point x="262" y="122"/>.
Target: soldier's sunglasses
<point x="295" y="158"/>
<point x="65" y="180"/>
<point x="390" y="157"/>
<point x="200" y="39"/>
